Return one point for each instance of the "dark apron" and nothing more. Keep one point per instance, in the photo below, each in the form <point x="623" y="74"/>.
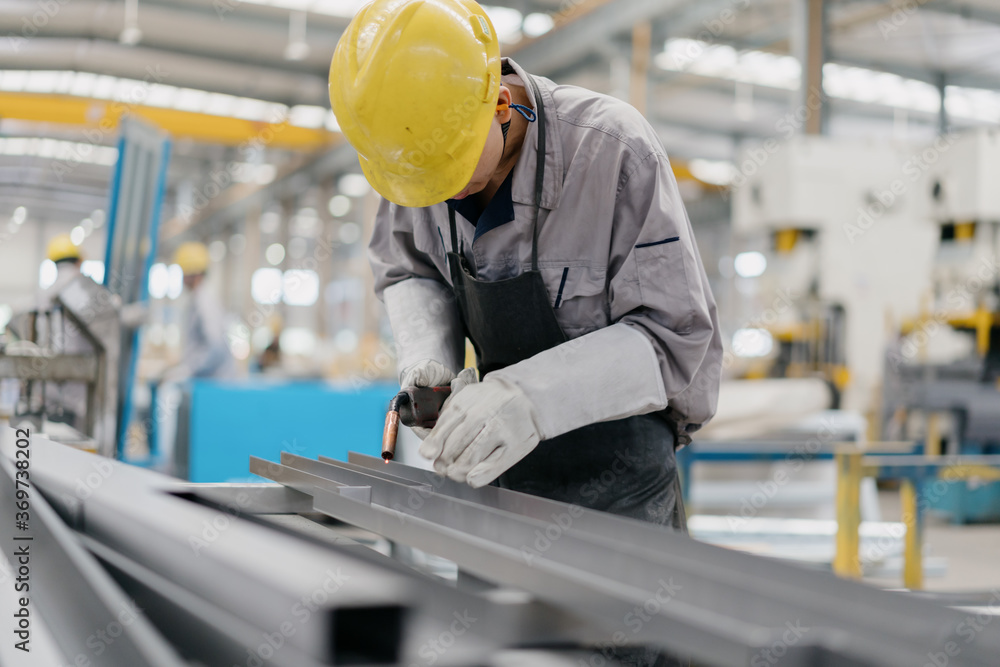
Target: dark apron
<point x="625" y="467"/>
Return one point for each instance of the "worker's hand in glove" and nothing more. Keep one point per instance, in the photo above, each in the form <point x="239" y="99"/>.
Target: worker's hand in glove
<point x="430" y="373"/>
<point x="482" y="432"/>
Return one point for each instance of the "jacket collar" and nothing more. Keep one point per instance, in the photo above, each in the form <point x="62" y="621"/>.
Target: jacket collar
<point x="523" y="187"/>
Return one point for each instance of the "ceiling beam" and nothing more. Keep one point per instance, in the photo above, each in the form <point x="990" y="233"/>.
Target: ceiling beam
<point x="111" y="58"/>
<point x="584" y="29"/>
<point x="954" y="7"/>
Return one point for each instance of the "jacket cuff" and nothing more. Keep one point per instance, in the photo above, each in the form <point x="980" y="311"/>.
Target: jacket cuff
<point x="608" y="374"/>
<point x="425" y="324"/>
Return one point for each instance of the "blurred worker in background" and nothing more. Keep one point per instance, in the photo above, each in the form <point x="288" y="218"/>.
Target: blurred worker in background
<point x="67" y="257"/>
<point x="543" y="222"/>
<point x="204" y="349"/>
<point x="65" y="402"/>
<point x="42" y="320"/>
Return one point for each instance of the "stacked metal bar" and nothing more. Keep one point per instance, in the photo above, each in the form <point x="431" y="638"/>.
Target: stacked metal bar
<point x="212" y="581"/>
<point x="216" y="582"/>
<point x="640" y="583"/>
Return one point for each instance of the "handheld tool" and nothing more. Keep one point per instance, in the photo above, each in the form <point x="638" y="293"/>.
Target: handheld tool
<point x="414" y="406"/>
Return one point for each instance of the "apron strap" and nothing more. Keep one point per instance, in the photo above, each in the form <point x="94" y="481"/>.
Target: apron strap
<point x="454" y="232"/>
<point x="539" y="179"/>
<point x="539" y="168"/>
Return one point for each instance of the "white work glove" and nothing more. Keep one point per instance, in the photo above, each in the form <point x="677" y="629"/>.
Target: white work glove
<point x="429" y="373"/>
<point x="608" y="374"/>
<point x="482" y="432"/>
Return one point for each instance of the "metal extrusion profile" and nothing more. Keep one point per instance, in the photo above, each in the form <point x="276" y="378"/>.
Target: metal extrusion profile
<point x="205" y="632"/>
<point x="595" y="577"/>
<point x="730" y="607"/>
<point x="249" y="575"/>
<point x="61" y="570"/>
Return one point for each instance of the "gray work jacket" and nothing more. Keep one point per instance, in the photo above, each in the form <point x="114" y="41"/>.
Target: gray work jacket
<point x="615" y="244"/>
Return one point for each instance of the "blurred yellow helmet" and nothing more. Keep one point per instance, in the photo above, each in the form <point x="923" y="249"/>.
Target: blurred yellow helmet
<point x="414" y="85"/>
<point x="192" y="257"/>
<point x="61" y="247"/>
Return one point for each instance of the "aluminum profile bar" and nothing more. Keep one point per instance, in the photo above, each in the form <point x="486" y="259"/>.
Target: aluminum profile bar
<point x="252" y="498"/>
<point x="58" y="568"/>
<point x="207" y="633"/>
<point x="729" y="607"/>
<point x="162" y="531"/>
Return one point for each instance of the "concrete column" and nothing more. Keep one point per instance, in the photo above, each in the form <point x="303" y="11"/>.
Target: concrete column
<point x="809" y="44"/>
<point x="639" y="74"/>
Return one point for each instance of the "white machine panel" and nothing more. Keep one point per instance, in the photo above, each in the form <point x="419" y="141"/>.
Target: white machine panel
<point x="961" y="185"/>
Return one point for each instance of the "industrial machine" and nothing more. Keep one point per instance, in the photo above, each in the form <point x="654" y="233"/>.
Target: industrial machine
<point x="108" y="316"/>
<point x="827" y="215"/>
<point x="942" y="370"/>
<point x="274" y="574"/>
<point x="882" y="277"/>
<point x="32" y="352"/>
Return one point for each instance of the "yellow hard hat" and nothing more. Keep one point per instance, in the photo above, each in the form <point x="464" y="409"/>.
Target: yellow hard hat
<point x="414" y="85"/>
<point x="61" y="247"/>
<point x="192" y="257"/>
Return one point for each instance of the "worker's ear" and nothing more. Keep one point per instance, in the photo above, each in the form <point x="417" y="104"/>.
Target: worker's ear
<point x="503" y="105"/>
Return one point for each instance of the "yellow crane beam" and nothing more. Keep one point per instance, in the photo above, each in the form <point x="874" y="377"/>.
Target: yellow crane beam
<point x="104" y="116"/>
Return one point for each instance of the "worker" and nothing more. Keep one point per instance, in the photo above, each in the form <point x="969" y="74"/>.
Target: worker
<point x="65" y="402"/>
<point x="205" y="350"/>
<point x="543" y="222"/>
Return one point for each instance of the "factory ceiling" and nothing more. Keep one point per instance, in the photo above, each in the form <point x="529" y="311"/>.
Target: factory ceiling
<point x="719" y="72"/>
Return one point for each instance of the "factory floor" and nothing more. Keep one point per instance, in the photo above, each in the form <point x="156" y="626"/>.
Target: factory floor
<point x="972" y="552"/>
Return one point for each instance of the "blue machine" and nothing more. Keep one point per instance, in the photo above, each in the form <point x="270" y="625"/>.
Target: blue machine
<point x="231" y="421"/>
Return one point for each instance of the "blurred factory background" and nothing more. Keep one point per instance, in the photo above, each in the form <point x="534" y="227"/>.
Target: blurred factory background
<point x="839" y="161"/>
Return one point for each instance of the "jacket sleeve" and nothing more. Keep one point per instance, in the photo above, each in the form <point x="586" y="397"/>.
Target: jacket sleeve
<point x="662" y="313"/>
<point x="657" y="284"/>
<point x="393" y="252"/>
<point x="422" y="311"/>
